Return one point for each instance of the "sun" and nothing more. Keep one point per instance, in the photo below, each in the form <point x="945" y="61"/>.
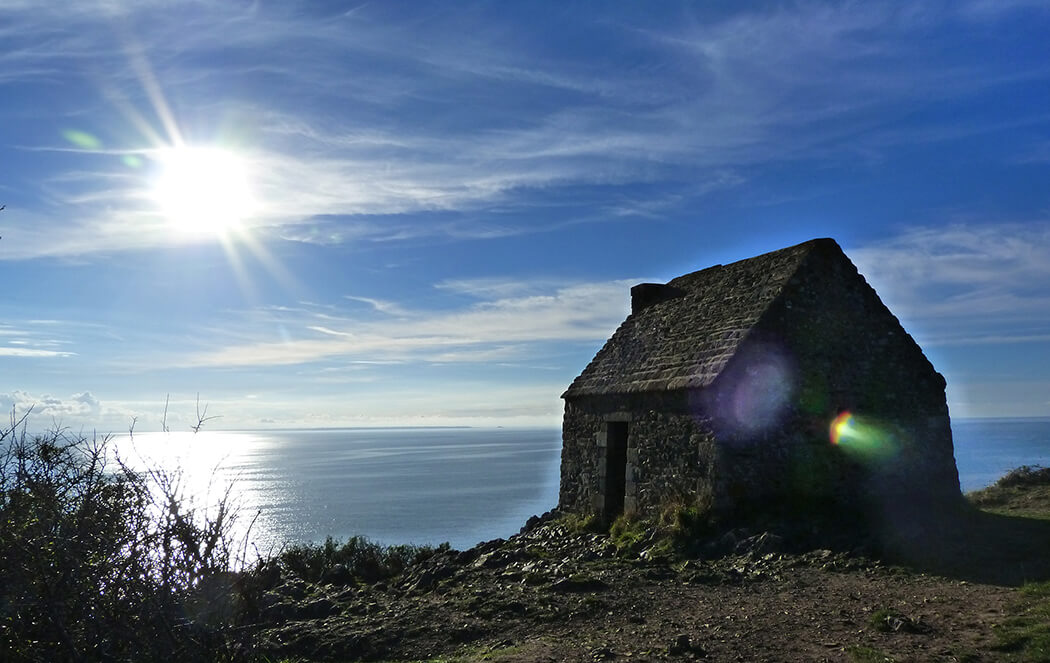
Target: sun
<point x="203" y="190"/>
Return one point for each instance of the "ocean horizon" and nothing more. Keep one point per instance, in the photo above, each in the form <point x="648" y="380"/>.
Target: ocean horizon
<point x="427" y="485"/>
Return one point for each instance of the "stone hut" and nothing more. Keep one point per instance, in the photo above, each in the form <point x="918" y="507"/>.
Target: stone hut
<point x="780" y="377"/>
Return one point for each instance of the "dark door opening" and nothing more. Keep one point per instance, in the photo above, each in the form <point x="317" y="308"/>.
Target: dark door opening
<point x="615" y="468"/>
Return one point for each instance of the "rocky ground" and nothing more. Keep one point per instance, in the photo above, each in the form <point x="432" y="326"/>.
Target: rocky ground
<point x="940" y="591"/>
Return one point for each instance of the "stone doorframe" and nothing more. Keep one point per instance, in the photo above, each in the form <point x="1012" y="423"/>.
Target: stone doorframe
<point x="612" y="426"/>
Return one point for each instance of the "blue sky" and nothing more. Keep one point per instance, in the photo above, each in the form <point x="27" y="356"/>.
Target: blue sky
<point x="431" y="213"/>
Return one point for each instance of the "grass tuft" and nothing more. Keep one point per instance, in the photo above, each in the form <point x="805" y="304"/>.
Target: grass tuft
<point x="863" y="654"/>
<point x="1025" y="636"/>
<point x="628" y="531"/>
<point x="590" y="523"/>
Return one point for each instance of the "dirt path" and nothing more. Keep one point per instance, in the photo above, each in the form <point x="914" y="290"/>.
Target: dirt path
<point x="812" y="615"/>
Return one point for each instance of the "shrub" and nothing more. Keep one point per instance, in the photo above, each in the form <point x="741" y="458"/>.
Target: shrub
<point x="357" y="560"/>
<point x="99" y="562"/>
<point x="1026" y="475"/>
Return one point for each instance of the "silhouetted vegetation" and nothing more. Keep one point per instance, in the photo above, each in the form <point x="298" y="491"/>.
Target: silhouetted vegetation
<point x="1026" y="475"/>
<point x="356" y="561"/>
<point x="99" y="562"/>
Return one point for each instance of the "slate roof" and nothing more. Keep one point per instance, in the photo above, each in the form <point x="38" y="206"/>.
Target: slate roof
<point x="686" y="341"/>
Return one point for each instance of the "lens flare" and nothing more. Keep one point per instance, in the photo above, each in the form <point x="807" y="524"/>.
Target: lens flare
<point x="862" y="438"/>
<point x="82" y="139"/>
<point x="752" y="395"/>
<point x="760" y="395"/>
<point x="841" y="426"/>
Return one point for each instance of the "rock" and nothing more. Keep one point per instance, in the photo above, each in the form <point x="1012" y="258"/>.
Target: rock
<point x="318" y="609"/>
<point x="902" y="623"/>
<point x="485" y="561"/>
<point x="760" y="544"/>
<point x="466" y="633"/>
<point x="536" y="521"/>
<point x="301" y="640"/>
<point x="466" y="557"/>
<point x="489" y="546"/>
<point x="278" y="612"/>
<point x="294" y="589"/>
<point x="681" y="645"/>
<point x="578" y="583"/>
<point x="727" y="542"/>
<point x="701" y="578"/>
<point x="424" y="582"/>
<point x="337" y="575"/>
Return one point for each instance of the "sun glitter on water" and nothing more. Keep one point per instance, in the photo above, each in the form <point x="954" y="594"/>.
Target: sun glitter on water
<point x="203" y="190"/>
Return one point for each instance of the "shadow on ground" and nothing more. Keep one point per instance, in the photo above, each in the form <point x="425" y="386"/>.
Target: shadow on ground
<point x="976" y="546"/>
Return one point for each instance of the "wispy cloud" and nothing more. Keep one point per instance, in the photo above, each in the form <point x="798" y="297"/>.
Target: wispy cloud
<point x="966" y="283"/>
<point x="985" y="9"/>
<point x="380" y="305"/>
<point x="706" y="102"/>
<point x="513" y="326"/>
<point x="999" y="339"/>
<point x="34" y="339"/>
<point x="497" y="288"/>
<point x="29" y="352"/>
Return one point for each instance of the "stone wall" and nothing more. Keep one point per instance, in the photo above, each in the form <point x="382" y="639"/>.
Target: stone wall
<point x="851" y="353"/>
<point x="674" y="455"/>
<point x="670" y="454"/>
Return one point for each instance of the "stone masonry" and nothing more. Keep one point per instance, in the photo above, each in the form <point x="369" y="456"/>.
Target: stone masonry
<point x="722" y="386"/>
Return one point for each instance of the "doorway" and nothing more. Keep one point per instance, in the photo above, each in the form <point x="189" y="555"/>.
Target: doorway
<point x="615" y="469"/>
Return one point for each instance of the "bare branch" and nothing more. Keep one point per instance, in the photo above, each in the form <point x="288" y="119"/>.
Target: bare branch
<point x="202" y="416"/>
<point x="16" y="422"/>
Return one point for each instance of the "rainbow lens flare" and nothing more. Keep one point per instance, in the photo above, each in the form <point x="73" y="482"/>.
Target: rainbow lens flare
<point x="841" y="426"/>
<point x="862" y="438"/>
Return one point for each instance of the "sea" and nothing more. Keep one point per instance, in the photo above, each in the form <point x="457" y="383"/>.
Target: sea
<point x="434" y="485"/>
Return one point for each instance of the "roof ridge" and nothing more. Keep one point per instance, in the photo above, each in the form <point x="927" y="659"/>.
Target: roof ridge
<point x="810" y="244"/>
<point x="686" y="342"/>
